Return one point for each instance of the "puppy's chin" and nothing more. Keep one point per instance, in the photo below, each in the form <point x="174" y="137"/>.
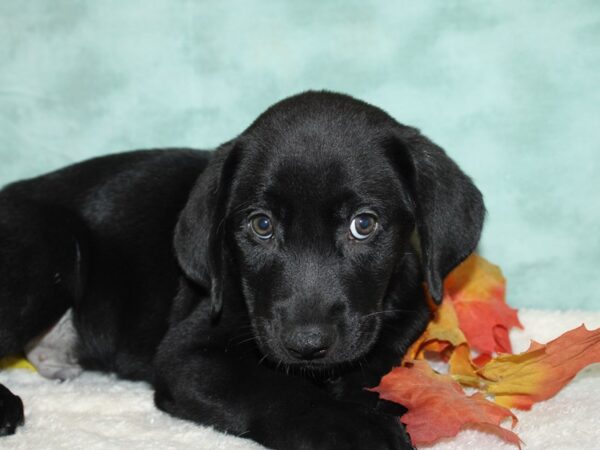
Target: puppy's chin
<point x="282" y="359"/>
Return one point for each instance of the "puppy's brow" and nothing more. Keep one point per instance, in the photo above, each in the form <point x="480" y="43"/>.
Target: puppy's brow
<point x="342" y="198"/>
<point x="275" y="196"/>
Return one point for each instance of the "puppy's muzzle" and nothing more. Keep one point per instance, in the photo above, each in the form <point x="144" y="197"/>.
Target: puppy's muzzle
<point x="308" y="342"/>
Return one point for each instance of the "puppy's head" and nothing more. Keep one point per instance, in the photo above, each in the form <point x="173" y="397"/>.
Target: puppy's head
<point x="312" y="213"/>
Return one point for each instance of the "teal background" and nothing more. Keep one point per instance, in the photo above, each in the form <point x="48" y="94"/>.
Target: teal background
<point x="510" y="88"/>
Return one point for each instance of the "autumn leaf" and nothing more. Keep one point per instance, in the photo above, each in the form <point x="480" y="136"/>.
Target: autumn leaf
<point x="474" y="315"/>
<point x="15" y="362"/>
<point x="441" y="333"/>
<point x="539" y="373"/>
<point x="477" y="289"/>
<point x="437" y="405"/>
<point x="482" y="359"/>
<point x="462" y="368"/>
<point x="444" y="338"/>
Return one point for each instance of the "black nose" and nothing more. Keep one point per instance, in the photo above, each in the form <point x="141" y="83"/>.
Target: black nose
<point x="309" y="341"/>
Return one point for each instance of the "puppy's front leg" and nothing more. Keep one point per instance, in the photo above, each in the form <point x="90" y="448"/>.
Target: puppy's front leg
<point x="197" y="379"/>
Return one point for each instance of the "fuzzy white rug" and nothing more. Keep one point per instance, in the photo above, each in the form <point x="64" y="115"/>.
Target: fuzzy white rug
<point x="98" y="411"/>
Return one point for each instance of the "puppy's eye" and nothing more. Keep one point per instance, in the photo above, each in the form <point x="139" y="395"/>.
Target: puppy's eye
<point x="363" y="226"/>
<point x="262" y="226"/>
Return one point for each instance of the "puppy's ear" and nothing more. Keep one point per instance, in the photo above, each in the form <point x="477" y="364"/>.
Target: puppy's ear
<point x="449" y="208"/>
<point x="199" y="239"/>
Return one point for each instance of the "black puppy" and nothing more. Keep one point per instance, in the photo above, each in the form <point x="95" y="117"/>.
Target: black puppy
<point x="259" y="288"/>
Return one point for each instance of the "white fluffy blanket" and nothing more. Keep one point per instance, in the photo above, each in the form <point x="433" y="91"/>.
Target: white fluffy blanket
<point x="99" y="411"/>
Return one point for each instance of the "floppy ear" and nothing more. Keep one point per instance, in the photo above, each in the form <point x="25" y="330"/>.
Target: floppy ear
<point x="199" y="239"/>
<point x="449" y="208"/>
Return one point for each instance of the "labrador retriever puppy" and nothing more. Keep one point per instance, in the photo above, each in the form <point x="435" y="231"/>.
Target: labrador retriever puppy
<point x="259" y="288"/>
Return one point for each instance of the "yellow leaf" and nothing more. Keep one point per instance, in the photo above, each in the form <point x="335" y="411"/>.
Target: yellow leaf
<point x="539" y="373"/>
<point x="15" y="362"/>
<point x="441" y="333"/>
<point x="477" y="290"/>
<point x="461" y="368"/>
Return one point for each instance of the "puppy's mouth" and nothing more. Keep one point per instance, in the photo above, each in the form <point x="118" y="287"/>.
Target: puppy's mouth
<point x="315" y="347"/>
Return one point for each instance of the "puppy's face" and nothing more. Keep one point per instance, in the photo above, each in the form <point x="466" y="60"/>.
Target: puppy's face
<point x="309" y="214"/>
<point x="320" y="222"/>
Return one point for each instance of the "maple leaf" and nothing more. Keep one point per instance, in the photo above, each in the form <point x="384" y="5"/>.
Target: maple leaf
<point x="539" y="373"/>
<point x="442" y="333"/>
<point x="437" y="405"/>
<point x="474" y="314"/>
<point x="462" y="368"/>
<point x="477" y="290"/>
<point x="444" y="338"/>
<point x="16" y="362"/>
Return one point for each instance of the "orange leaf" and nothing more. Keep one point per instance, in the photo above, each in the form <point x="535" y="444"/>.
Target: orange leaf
<point x="477" y="290"/>
<point x="539" y="373"/>
<point x="444" y="337"/>
<point x="482" y="359"/>
<point x="437" y="405"/>
<point x="444" y="326"/>
<point x="462" y="368"/>
<point x="441" y="333"/>
<point x="414" y="350"/>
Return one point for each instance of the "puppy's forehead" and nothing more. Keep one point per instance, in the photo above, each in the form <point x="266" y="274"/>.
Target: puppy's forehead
<point x="320" y="170"/>
<point x="312" y="175"/>
<point x="314" y="147"/>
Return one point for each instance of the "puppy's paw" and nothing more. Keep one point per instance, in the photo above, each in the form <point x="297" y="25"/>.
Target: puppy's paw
<point x="11" y="412"/>
<point x="349" y="426"/>
<point x="374" y="430"/>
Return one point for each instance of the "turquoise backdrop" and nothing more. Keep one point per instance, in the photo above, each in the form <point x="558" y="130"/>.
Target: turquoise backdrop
<point x="510" y="88"/>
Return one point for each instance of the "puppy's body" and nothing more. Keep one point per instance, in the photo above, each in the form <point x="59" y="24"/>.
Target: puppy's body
<point x="290" y="284"/>
<point x="92" y="237"/>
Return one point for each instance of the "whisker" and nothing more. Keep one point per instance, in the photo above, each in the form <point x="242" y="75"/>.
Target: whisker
<point x="250" y="339"/>
<point x="262" y="359"/>
<point x="241" y="335"/>
<point x="389" y="311"/>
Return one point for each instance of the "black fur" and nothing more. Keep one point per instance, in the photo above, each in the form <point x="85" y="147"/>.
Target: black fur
<point x="271" y="339"/>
